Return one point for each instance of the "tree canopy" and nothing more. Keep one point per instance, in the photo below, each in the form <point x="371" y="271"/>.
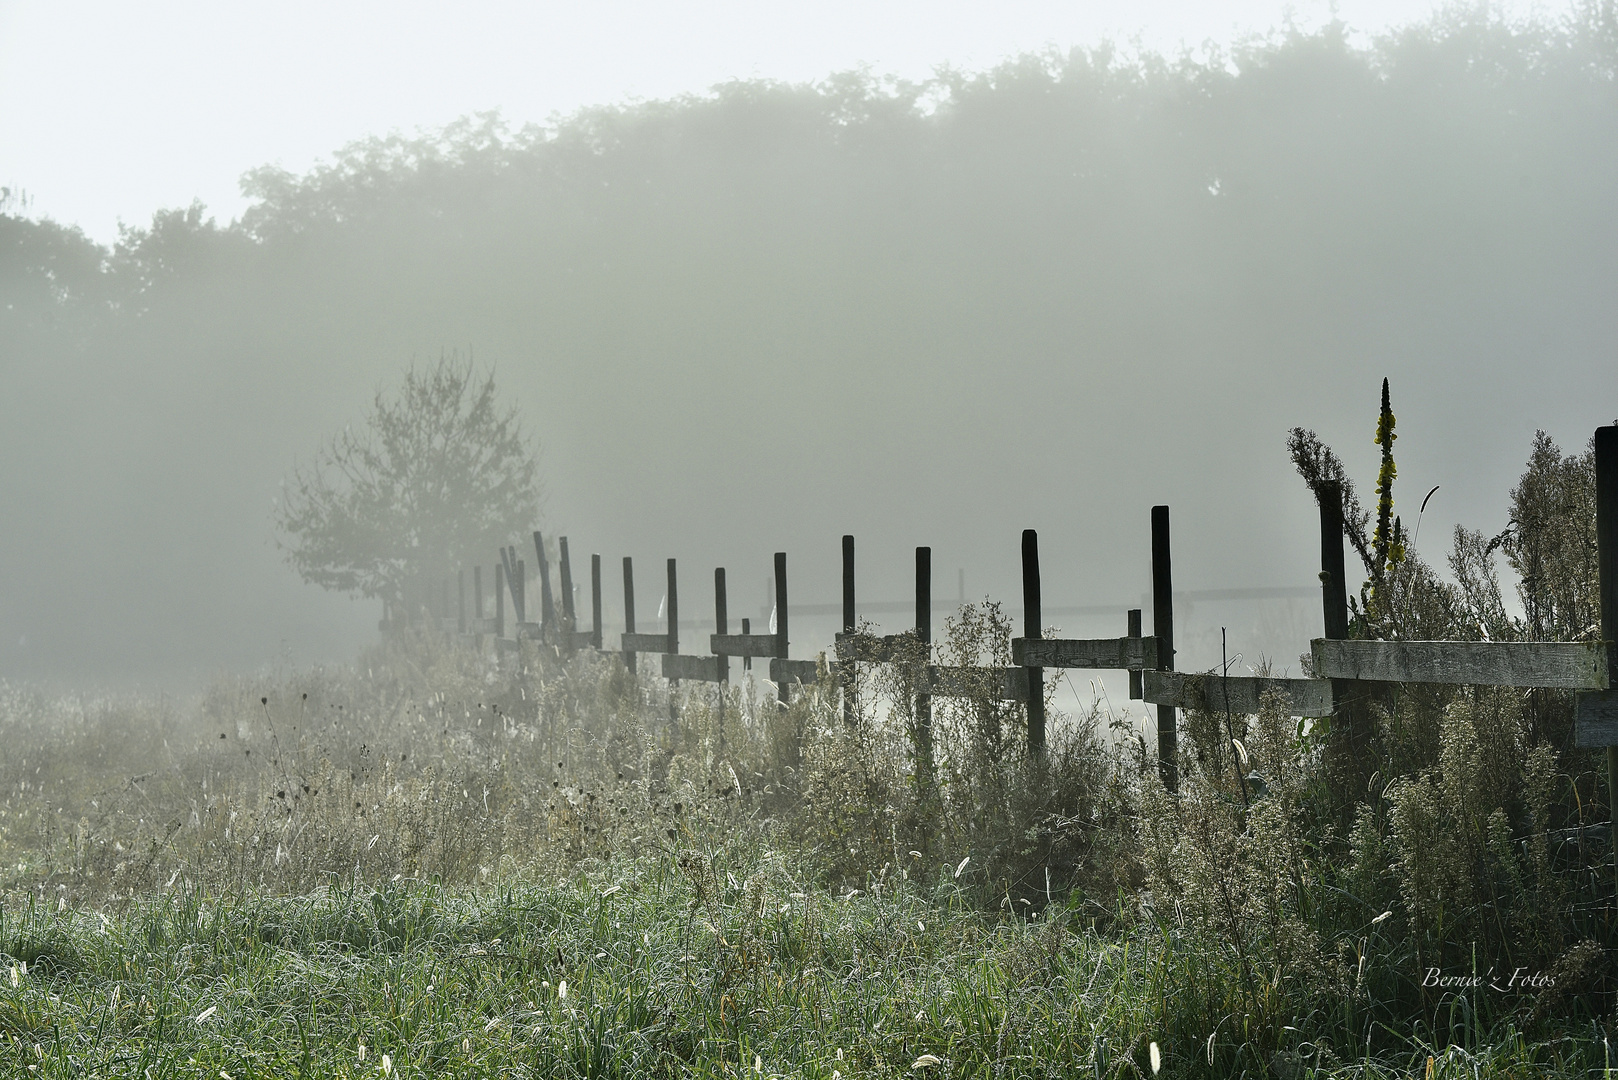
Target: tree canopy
<point x="438" y="476"/>
<point x="872" y="287"/>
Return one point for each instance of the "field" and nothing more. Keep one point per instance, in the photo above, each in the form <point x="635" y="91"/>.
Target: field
<point x="433" y="865"/>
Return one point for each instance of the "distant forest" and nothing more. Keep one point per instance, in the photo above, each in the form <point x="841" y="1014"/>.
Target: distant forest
<point x="982" y="264"/>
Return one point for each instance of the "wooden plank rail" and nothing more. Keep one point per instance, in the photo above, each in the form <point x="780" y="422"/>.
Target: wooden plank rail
<point x="1564" y="665"/>
<point x="1105" y="654"/>
<point x="577" y="639"/>
<point x="744" y="644"/>
<point x="1305" y="697"/>
<point x="699" y="668"/>
<point x="1007" y="684"/>
<point x="638" y="643"/>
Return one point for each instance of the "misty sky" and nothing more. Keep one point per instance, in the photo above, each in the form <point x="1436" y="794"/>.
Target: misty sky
<point x="110" y="110"/>
<point x="1143" y="274"/>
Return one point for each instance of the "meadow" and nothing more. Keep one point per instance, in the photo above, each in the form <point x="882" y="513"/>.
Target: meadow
<point x="434" y="863"/>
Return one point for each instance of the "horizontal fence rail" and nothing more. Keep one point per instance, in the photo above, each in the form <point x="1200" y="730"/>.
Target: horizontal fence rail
<point x="1560" y="665"/>
<point x="1096" y="654"/>
<point x="1237" y="694"/>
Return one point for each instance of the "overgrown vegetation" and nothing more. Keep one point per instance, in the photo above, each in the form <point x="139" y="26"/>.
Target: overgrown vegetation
<point x="415" y="853"/>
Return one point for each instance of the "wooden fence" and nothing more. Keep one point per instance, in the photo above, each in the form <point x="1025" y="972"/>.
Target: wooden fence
<point x="1341" y="667"/>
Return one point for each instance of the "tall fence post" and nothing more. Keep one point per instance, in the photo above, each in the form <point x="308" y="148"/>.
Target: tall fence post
<point x="848" y="628"/>
<point x="547" y="604"/>
<point x="674" y="639"/>
<point x="674" y="611"/>
<point x="499" y="604"/>
<point x="629" y="609"/>
<point x="516" y="572"/>
<point x="1607" y="570"/>
<point x="1163" y="627"/>
<point x="781" y="639"/>
<point x="1343" y="749"/>
<point x="519" y="589"/>
<point x="924" y="701"/>
<point x="1333" y="575"/>
<point x="1136" y="690"/>
<point x="569" y="619"/>
<point x="1031" y="629"/>
<point x="595" y="602"/>
<point x="721" y="622"/>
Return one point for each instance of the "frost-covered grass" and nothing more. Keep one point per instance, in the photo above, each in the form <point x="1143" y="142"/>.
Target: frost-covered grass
<point x="696" y="961"/>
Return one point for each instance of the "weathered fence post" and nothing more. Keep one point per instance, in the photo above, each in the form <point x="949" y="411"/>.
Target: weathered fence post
<point x="1136" y="690"/>
<point x="1607" y="577"/>
<point x="1343" y="748"/>
<point x="569" y="619"/>
<point x="1163" y="628"/>
<point x="674" y="611"/>
<point x="516" y="584"/>
<point x="1333" y="576"/>
<point x="629" y="609"/>
<point x="520" y="590"/>
<point x="674" y="639"/>
<point x="506" y="570"/>
<point x="924" y="701"/>
<point x="721" y="621"/>
<point x="1031" y="629"/>
<point x="781" y="639"/>
<point x="595" y="602"/>
<point x="747" y="628"/>
<point x="499" y="605"/>
<point x="848" y="628"/>
<point x="547" y="605"/>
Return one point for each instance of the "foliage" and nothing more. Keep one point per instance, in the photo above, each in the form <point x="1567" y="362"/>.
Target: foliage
<point x="1387" y="544"/>
<point x="1398" y="585"/>
<point x="1472" y="835"/>
<point x="1551" y="544"/>
<point x="438" y="476"/>
<point x="1214" y="211"/>
<point x="691" y="933"/>
<point x="770" y="856"/>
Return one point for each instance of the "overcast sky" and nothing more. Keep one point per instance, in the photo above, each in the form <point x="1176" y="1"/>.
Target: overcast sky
<point x="111" y="109"/>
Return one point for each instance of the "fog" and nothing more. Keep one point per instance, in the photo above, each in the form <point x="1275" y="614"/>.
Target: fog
<point x="1046" y="295"/>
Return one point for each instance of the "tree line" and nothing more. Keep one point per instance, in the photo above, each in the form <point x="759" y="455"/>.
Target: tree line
<point x="1245" y="230"/>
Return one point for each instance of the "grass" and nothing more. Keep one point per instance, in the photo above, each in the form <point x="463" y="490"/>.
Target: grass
<point x="692" y="962"/>
<point x="396" y="869"/>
